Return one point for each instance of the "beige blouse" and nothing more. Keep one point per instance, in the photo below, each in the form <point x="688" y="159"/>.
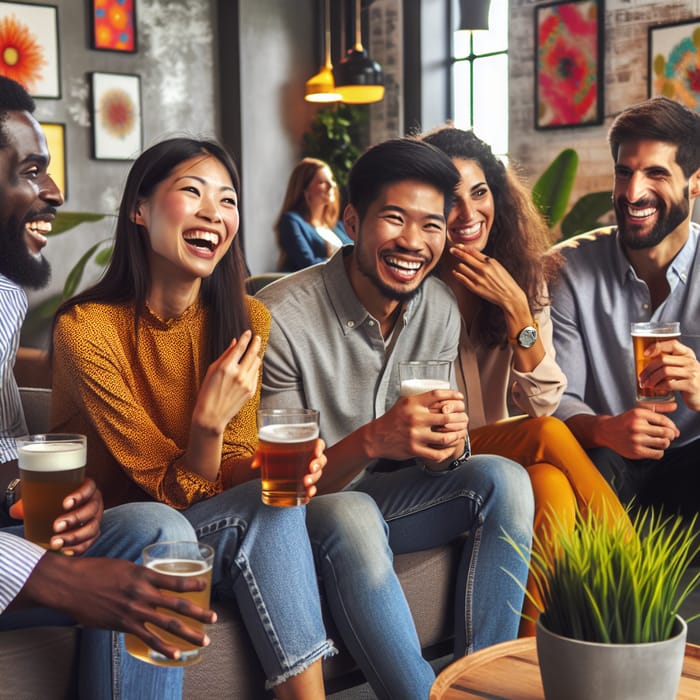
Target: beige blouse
<point x="495" y="390"/>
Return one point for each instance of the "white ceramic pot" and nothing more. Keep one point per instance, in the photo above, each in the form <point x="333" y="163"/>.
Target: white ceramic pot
<point x="575" y="670"/>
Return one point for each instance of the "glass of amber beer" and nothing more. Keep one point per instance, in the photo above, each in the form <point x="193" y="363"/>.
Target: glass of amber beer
<point x="190" y="559"/>
<point x="50" y="466"/>
<point x="426" y="375"/>
<point x="643" y="336"/>
<point x="286" y="439"/>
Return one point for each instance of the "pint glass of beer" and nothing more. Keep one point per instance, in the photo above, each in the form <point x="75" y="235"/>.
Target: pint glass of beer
<point x="190" y="559"/>
<point x="421" y="376"/>
<point x="50" y="466"/>
<point x="643" y="336"/>
<point x="286" y="439"/>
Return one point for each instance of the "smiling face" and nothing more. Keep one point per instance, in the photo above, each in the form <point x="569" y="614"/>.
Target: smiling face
<point x="321" y="189"/>
<point x="28" y="201"/>
<point x="471" y="218"/>
<point x="397" y="243"/>
<point x="191" y="219"/>
<point x="650" y="193"/>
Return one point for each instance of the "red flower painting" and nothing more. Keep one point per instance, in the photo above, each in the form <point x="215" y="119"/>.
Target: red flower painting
<point x="567" y="64"/>
<point x="21" y="55"/>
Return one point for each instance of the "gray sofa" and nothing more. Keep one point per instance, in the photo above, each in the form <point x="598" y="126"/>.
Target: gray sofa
<point x="41" y="662"/>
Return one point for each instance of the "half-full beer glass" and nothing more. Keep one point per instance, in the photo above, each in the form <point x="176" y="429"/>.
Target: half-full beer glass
<point x="286" y="439"/>
<point x="189" y="559"/>
<point x="645" y="335"/>
<point x="426" y="375"/>
<point x="50" y="466"/>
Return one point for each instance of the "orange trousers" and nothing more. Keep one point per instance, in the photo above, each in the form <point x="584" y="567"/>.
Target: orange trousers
<point x="563" y="478"/>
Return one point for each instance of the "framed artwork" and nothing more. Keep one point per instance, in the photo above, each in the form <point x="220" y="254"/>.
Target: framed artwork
<point x="113" y="25"/>
<point x="56" y="140"/>
<point x="569" y="64"/>
<point x="674" y="62"/>
<point x="29" y="47"/>
<point x="116" y="116"/>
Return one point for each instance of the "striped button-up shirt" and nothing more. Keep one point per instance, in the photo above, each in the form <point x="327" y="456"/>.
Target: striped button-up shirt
<point x="18" y="557"/>
<point x="13" y="308"/>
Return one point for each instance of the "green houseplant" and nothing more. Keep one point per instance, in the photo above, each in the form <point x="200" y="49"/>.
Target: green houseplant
<point x="609" y="624"/>
<point x="552" y="191"/>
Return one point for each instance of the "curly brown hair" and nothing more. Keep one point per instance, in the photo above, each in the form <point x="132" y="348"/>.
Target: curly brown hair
<point x="519" y="236"/>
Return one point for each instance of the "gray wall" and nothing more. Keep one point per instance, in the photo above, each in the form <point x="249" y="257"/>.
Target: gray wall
<point x="175" y="59"/>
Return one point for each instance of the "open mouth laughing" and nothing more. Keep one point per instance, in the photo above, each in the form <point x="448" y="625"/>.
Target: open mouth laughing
<point x="401" y="268"/>
<point x="35" y="233"/>
<point x="466" y="233"/>
<point x="202" y="241"/>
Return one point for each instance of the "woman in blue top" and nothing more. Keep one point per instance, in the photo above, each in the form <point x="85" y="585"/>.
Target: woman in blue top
<point x="308" y="230"/>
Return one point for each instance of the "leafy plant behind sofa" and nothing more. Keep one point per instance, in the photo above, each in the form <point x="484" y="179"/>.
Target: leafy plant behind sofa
<point x="552" y="191"/>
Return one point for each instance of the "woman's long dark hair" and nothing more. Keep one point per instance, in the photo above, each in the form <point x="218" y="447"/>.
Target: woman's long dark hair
<point x="519" y="236"/>
<point x="127" y="279"/>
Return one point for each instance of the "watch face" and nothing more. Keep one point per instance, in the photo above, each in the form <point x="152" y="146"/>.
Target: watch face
<point x="527" y="337"/>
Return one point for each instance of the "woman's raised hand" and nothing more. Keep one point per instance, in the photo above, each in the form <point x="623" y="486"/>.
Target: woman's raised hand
<point x="229" y="384"/>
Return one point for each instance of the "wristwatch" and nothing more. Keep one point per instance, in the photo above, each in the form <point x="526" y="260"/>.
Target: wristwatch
<point x="527" y="336"/>
<point x="11" y="494"/>
<point x="463" y="457"/>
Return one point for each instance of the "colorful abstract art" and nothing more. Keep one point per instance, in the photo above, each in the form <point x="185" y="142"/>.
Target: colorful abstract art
<point x="29" y="47"/>
<point x="674" y="62"/>
<point x="569" y="70"/>
<point x="116" y="116"/>
<point x="114" y="25"/>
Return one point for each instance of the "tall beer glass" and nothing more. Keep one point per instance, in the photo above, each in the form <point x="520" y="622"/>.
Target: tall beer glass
<point x="50" y="466"/>
<point x="421" y="376"/>
<point x="286" y="439"/>
<point x="645" y="335"/>
<point x="189" y="559"/>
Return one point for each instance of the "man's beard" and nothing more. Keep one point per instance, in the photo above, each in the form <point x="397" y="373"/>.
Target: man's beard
<point x="385" y="289"/>
<point x="667" y="221"/>
<point x="17" y="262"/>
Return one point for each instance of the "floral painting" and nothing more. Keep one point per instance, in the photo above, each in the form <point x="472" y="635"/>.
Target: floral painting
<point x="114" y="25"/>
<point x="569" y="70"/>
<point x="116" y="116"/>
<point x="674" y="62"/>
<point x="29" y="47"/>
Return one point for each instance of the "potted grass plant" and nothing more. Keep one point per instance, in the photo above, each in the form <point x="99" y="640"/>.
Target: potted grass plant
<point x="609" y="624"/>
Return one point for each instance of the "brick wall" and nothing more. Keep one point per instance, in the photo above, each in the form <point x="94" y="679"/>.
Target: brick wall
<point x="626" y="25"/>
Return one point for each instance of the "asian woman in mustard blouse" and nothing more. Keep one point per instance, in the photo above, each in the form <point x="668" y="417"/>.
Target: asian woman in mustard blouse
<point x="159" y="364"/>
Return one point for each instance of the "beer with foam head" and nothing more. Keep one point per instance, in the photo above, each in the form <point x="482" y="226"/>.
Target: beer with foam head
<point x="189" y="559"/>
<point x="286" y="440"/>
<point x="50" y="466"/>
<point x="421" y="376"/>
<point x="644" y="335"/>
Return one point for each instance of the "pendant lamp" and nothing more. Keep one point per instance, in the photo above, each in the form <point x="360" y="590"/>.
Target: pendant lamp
<point x="358" y="78"/>
<point x="474" y="14"/>
<point x="321" y="87"/>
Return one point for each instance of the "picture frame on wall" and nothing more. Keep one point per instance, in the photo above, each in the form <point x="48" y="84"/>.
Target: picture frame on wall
<point x="29" y="51"/>
<point x="569" y="50"/>
<point x="55" y="133"/>
<point x="116" y="116"/>
<point x="113" y="25"/>
<point x="674" y="62"/>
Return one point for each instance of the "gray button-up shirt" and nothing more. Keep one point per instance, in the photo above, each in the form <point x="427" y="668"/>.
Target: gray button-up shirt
<point x="594" y="302"/>
<point x="327" y="352"/>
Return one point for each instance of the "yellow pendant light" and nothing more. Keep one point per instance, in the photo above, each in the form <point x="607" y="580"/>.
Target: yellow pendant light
<point x="321" y="87"/>
<point x="359" y="79"/>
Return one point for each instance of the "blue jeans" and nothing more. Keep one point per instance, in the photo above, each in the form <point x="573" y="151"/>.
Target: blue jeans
<point x="264" y="561"/>
<point x="349" y="537"/>
<point x="485" y="497"/>
<point x="106" y="671"/>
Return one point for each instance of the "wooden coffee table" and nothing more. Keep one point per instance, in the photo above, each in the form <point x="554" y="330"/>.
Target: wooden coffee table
<point x="510" y="671"/>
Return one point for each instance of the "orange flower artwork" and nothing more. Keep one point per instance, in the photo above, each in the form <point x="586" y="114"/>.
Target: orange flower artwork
<point x="29" y="47"/>
<point x="21" y="55"/>
<point x="116" y="110"/>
